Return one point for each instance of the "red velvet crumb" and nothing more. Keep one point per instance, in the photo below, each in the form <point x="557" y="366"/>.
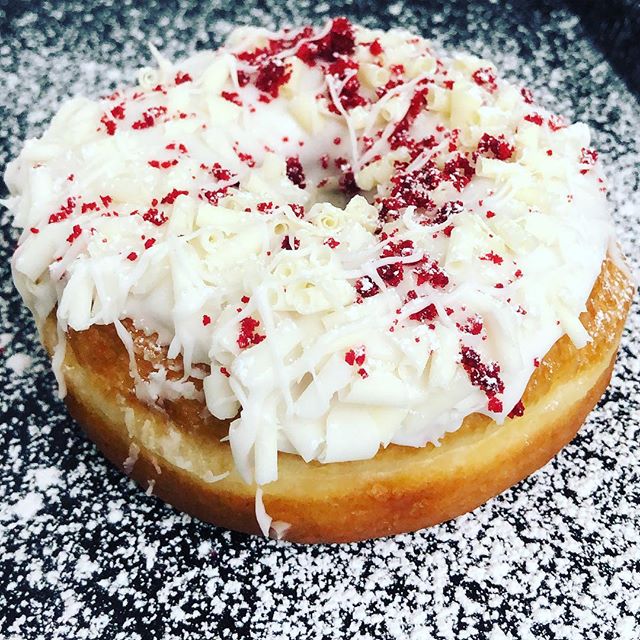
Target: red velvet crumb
<point x="295" y="172"/>
<point x="247" y="336"/>
<point x="517" y="411"/>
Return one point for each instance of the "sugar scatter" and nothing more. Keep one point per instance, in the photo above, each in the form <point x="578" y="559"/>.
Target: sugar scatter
<point x="85" y="554"/>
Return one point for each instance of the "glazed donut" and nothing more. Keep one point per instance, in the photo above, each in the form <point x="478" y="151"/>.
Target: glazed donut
<point x="327" y="283"/>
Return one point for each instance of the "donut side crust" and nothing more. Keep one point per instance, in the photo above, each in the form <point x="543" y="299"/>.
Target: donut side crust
<point x="177" y="449"/>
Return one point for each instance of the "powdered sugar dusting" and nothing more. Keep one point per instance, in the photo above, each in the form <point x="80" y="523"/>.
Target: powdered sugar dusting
<point x="28" y="506"/>
<point x="85" y="554"/>
<point x="18" y="363"/>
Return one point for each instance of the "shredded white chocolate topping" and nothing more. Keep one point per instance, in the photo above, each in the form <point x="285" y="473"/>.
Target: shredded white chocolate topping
<point x="366" y="240"/>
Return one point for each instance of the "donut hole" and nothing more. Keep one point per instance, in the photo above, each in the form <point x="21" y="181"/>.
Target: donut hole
<point x="333" y="196"/>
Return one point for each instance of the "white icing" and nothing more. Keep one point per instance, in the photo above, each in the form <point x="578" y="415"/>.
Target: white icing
<point x="263" y="518"/>
<point x="218" y="263"/>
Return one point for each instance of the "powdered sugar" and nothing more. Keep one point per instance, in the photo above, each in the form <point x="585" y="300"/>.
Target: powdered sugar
<point x="18" y="363"/>
<point x="553" y="558"/>
<point x="28" y="506"/>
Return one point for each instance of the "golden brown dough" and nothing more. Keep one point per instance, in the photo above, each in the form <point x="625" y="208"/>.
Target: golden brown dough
<point x="401" y="489"/>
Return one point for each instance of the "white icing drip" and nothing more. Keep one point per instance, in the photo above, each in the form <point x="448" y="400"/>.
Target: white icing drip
<point x="263" y="518"/>
<point x="57" y="360"/>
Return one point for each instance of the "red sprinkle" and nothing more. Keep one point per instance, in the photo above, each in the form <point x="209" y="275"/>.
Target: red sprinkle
<point x="484" y="376"/>
<point x="232" y="96"/>
<point x="295" y="172"/>
<point x="118" y="112"/>
<point x="459" y="171"/>
<point x="432" y="275"/>
<point x="170" y="198"/>
<point x="526" y="94"/>
<point x="427" y="314"/>
<point x="206" y="320"/>
<point x="492" y="257"/>
<point x="248" y="336"/>
<point x="588" y="157"/>
<point x="224" y="372"/>
<point x="132" y="256"/>
<point x="411" y="189"/>
<point x="375" y="48"/>
<point x="498" y="147"/>
<point x="179" y="146"/>
<point x="149" y="242"/>
<point x="64" y="212"/>
<point x="155" y="217"/>
<point x="332" y="243"/>
<point x="182" y="78"/>
<point x="356" y="356"/>
<point x="517" y="411"/>
<point x="366" y="287"/>
<point x="474" y="325"/>
<point x="486" y="78"/>
<point x="247" y="158"/>
<point x="165" y="164"/>
<point x="110" y="125"/>
<point x="88" y="206"/>
<point x="263" y="207"/>
<point x="287" y="245"/>
<point x="271" y="76"/>
<point x="536" y="118"/>
<point x="149" y="116"/>
<point x="298" y="210"/>
<point x="75" y="233"/>
<point x="339" y="41"/>
<point x="213" y="196"/>
<point x="556" y="122"/>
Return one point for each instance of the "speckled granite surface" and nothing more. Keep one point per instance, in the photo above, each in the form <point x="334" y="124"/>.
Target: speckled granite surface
<point x="85" y="554"/>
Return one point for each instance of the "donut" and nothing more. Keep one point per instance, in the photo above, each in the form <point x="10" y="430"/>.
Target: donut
<point x="325" y="284"/>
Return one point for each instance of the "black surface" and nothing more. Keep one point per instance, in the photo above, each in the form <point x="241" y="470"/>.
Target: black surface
<point x="556" y="557"/>
<point x="614" y="26"/>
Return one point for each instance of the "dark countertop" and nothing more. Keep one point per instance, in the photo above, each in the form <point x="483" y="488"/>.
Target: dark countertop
<point x="85" y="554"/>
